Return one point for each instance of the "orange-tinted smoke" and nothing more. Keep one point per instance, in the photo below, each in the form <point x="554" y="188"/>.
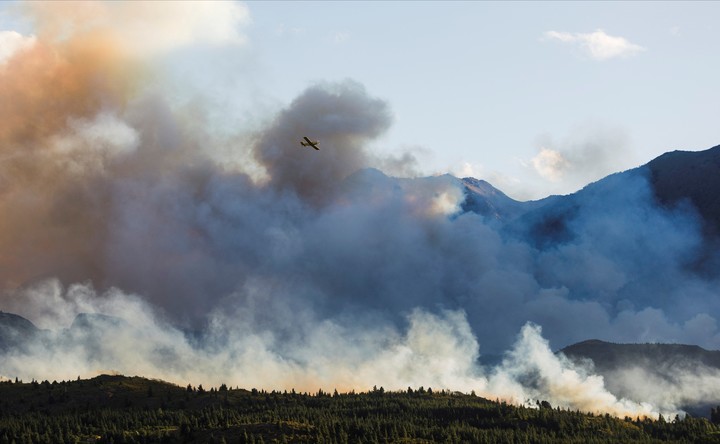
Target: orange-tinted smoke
<point x="50" y="210"/>
<point x="45" y="85"/>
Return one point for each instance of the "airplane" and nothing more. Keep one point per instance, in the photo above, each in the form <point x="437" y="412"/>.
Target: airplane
<point x="308" y="142"/>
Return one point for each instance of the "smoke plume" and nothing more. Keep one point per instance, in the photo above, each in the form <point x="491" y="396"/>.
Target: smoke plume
<point x="295" y="267"/>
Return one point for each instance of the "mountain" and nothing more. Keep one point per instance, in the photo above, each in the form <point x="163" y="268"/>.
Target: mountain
<point x="484" y="199"/>
<point x="480" y="196"/>
<point x="91" y="329"/>
<point x="650" y="371"/>
<point x="675" y="178"/>
<point x="693" y="177"/>
<point x="678" y="178"/>
<point x="660" y="359"/>
<point x="15" y="331"/>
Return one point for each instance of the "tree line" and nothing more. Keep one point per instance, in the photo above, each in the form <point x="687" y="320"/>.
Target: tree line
<point x="117" y="409"/>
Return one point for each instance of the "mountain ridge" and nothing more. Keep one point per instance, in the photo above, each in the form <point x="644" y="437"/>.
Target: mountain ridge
<point x="680" y="175"/>
<point x="676" y="179"/>
<point x="606" y="353"/>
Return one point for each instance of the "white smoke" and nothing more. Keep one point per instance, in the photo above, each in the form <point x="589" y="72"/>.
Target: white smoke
<point x="436" y="351"/>
<point x="12" y="42"/>
<point x="145" y="29"/>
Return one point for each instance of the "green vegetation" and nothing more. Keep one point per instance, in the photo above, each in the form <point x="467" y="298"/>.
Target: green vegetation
<point x="118" y="409"/>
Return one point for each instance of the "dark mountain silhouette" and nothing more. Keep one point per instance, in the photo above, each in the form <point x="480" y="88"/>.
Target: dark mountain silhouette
<point x="18" y="333"/>
<point x="656" y="358"/>
<point x="15" y="331"/>
<point x="676" y="178"/>
<point x="694" y="177"/>
<point x="630" y="369"/>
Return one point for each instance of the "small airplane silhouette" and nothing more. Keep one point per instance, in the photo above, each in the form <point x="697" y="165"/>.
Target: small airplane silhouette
<point x="308" y="142"/>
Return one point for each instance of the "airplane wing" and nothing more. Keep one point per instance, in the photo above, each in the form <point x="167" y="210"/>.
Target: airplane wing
<point x="308" y="142"/>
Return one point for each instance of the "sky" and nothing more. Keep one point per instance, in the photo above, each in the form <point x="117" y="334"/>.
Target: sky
<point x="492" y="90"/>
<point x="538" y="98"/>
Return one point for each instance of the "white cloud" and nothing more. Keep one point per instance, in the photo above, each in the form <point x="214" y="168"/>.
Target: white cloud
<point x="12" y="42"/>
<point x="598" y="45"/>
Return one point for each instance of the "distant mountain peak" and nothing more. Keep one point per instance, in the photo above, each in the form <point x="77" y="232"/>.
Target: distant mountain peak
<point x="690" y="176"/>
<point x="15" y="330"/>
<point x="482" y="187"/>
<point x="609" y="356"/>
<point x="8" y="320"/>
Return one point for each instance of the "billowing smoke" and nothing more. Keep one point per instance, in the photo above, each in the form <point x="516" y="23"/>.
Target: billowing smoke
<point x="300" y="268"/>
<point x="430" y="350"/>
<point x="343" y="117"/>
<point x="589" y="152"/>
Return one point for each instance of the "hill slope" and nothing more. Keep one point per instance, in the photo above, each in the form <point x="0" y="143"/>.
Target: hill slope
<point x="15" y="331"/>
<point x="692" y="176"/>
<point x="123" y="409"/>
<point x="607" y="356"/>
<point x="685" y="374"/>
<point x="675" y="178"/>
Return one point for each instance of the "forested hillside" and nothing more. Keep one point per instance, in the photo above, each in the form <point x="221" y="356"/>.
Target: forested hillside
<point x="118" y="409"/>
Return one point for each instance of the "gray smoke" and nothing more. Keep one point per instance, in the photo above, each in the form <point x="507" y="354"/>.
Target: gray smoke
<point x="303" y="268"/>
<point x="343" y="117"/>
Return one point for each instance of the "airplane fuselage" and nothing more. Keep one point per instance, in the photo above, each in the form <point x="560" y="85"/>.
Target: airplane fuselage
<point x="308" y="142"/>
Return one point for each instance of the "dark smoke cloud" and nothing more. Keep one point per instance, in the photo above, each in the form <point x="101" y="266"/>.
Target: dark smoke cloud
<point x="326" y="271"/>
<point x="343" y="118"/>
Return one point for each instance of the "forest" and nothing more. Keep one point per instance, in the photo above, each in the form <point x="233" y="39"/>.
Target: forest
<point x="119" y="409"/>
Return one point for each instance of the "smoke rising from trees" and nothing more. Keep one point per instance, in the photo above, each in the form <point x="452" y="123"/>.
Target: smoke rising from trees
<point x="302" y="268"/>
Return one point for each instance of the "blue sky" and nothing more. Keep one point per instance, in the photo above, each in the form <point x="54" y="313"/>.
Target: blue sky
<point x="537" y="98"/>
